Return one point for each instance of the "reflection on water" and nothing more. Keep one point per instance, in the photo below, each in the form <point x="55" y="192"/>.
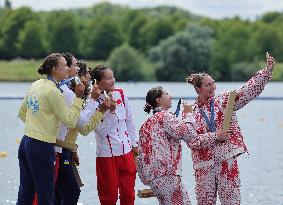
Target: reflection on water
<point x="261" y="123"/>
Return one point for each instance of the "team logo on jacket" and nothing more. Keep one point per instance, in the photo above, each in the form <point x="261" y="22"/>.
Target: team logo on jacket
<point x="33" y="104"/>
<point x="118" y="102"/>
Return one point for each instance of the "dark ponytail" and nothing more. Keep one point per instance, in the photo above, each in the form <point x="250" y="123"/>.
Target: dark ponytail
<point x="151" y="97"/>
<point x="147" y="108"/>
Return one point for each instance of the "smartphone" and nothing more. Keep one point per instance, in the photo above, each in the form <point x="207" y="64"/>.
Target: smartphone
<point x="77" y="80"/>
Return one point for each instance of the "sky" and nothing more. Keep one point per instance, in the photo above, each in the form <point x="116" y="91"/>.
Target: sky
<point x="246" y="9"/>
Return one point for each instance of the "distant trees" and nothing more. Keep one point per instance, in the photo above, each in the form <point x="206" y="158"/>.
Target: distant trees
<point x="11" y="25"/>
<point x="135" y="30"/>
<point x="161" y="43"/>
<point x="187" y="50"/>
<point x="267" y="38"/>
<point x="7" y="4"/>
<point x="242" y="42"/>
<point x="63" y="33"/>
<point x="271" y="17"/>
<point x="126" y="63"/>
<point x="144" y="33"/>
<point x="31" y="42"/>
<point x="230" y="46"/>
<point x="100" y="38"/>
<point x="155" y="31"/>
<point x="243" y="70"/>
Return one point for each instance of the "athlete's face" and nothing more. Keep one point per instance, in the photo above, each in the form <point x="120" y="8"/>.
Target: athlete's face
<point x="165" y="101"/>
<point x="73" y="69"/>
<point x="60" y="71"/>
<point x="207" y="88"/>
<point x="107" y="81"/>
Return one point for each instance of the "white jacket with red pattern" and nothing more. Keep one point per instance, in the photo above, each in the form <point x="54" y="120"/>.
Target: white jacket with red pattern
<point x="205" y="153"/>
<point x="160" y="145"/>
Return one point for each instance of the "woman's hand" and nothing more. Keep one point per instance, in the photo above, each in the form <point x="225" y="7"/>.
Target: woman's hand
<point x="95" y="92"/>
<point x="187" y="108"/>
<point x="84" y="80"/>
<point x="135" y="151"/>
<point x="222" y="136"/>
<point x="79" y="90"/>
<point x="270" y="62"/>
<point x="105" y="105"/>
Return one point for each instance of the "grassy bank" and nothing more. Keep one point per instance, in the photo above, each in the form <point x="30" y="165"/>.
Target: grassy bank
<point x="26" y="70"/>
<point x="19" y="70"/>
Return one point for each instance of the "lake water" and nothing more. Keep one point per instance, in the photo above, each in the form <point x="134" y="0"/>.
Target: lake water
<point x="261" y="122"/>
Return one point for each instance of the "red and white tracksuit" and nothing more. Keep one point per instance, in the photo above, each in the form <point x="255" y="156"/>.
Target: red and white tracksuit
<point x="115" y="165"/>
<point x="215" y="163"/>
<point x="159" y="158"/>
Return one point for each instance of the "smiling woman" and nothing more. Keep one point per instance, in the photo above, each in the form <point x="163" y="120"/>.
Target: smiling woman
<point x="116" y="142"/>
<point x="215" y="165"/>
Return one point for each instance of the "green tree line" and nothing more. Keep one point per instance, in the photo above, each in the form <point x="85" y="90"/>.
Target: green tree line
<point x="162" y="43"/>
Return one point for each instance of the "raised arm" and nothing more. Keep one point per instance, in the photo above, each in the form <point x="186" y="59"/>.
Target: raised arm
<point x="87" y="113"/>
<point x="181" y="130"/>
<point x="255" y="85"/>
<point x="90" y="119"/>
<point x="96" y="118"/>
<point x="69" y="116"/>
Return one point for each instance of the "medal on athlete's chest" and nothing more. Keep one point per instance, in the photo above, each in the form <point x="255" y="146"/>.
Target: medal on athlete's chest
<point x="210" y="122"/>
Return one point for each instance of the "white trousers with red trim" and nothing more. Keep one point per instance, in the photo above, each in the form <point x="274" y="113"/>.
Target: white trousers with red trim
<point x="223" y="178"/>
<point x="170" y="190"/>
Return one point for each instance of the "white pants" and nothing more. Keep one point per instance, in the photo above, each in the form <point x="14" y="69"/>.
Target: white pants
<point x="170" y="190"/>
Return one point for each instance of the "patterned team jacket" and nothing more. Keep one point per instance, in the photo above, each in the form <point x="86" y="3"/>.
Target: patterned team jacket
<point x="205" y="153"/>
<point x="160" y="145"/>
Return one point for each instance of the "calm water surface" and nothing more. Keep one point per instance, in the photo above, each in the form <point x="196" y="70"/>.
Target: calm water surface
<point x="261" y="123"/>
